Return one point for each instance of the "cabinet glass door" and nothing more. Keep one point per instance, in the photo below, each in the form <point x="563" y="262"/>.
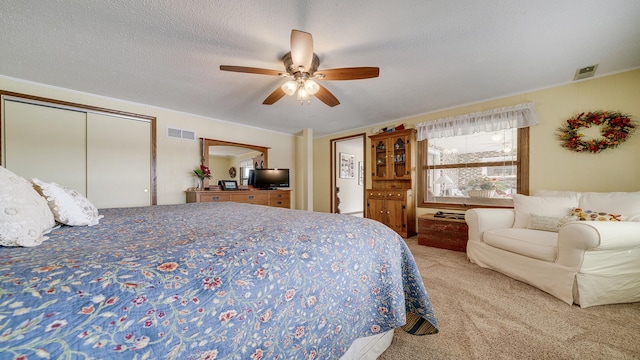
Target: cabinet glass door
<point x="380" y="156"/>
<point x="401" y="158"/>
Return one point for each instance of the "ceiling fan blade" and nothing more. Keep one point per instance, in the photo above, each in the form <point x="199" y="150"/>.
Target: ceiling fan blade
<point x="354" y="73"/>
<point x="276" y="95"/>
<point x="326" y="96"/>
<point x="301" y="49"/>
<point x="251" y="70"/>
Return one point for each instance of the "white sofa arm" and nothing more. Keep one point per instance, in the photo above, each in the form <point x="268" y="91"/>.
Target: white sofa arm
<point x="601" y="235"/>
<point x="576" y="237"/>
<point x="482" y="219"/>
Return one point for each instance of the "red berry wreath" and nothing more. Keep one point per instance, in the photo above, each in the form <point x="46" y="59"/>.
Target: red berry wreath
<point x="615" y="129"/>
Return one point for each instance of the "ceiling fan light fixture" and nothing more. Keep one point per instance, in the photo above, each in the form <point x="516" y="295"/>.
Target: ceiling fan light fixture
<point x="311" y="87"/>
<point x="302" y="94"/>
<point x="290" y="87"/>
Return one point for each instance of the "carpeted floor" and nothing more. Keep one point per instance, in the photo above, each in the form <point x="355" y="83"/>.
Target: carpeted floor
<point x="483" y="314"/>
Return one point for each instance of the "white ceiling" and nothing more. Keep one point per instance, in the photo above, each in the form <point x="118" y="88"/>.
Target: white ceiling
<point x="432" y="54"/>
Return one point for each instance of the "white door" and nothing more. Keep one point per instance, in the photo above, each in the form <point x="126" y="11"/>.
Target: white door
<point x="106" y="158"/>
<point x="119" y="161"/>
<point x="47" y="143"/>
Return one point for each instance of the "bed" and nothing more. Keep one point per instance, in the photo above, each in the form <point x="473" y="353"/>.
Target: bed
<point x="209" y="281"/>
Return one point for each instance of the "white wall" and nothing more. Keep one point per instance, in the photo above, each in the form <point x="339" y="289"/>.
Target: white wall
<point x="551" y="166"/>
<point x="176" y="158"/>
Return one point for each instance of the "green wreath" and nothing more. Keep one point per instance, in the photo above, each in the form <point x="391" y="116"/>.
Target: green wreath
<point x="615" y="129"/>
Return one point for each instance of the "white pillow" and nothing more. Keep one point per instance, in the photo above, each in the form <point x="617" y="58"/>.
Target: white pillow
<point x="625" y="203"/>
<point x="544" y="192"/>
<point x="24" y="215"/>
<point x="555" y="206"/>
<point x="68" y="206"/>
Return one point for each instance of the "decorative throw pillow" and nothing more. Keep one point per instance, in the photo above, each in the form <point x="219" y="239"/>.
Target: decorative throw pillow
<point x="555" y="206"/>
<point x="68" y="206"/>
<point x="548" y="223"/>
<point x="24" y="215"/>
<point x="590" y="215"/>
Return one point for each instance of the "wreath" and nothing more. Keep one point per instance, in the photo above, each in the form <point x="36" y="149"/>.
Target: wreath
<point x="615" y="129"/>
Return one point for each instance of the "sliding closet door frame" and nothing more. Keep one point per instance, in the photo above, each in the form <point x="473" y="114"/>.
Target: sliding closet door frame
<point x="89" y="109"/>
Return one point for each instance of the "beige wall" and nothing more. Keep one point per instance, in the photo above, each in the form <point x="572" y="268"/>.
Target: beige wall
<point x="176" y="158"/>
<point x="551" y="167"/>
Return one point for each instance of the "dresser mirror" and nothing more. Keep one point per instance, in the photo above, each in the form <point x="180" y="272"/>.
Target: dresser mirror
<point x="225" y="159"/>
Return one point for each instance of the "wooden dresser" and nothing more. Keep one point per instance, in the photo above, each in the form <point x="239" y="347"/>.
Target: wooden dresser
<point x="276" y="198"/>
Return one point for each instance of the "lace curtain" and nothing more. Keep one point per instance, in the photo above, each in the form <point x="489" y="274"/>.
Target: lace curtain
<point x="517" y="116"/>
<point x="246" y="163"/>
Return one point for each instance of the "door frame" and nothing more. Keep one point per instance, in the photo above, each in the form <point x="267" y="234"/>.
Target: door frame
<point x="333" y="174"/>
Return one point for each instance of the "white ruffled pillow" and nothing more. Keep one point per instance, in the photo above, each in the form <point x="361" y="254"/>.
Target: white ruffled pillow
<point x="555" y="206"/>
<point x="24" y="215"/>
<point x="69" y="207"/>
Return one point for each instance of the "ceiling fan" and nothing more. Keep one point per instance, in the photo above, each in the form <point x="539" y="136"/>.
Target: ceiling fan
<point x="301" y="66"/>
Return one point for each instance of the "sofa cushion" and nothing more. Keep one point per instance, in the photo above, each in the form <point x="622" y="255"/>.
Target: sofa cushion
<point x="536" y="244"/>
<point x="625" y="203"/>
<point x="555" y="206"/>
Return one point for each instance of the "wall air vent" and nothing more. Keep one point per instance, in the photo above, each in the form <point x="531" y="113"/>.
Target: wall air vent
<point x="585" y="72"/>
<point x="181" y="134"/>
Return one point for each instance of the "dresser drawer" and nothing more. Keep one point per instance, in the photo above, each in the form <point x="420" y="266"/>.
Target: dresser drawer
<point x="214" y="197"/>
<point x="251" y="198"/>
<point x="283" y="203"/>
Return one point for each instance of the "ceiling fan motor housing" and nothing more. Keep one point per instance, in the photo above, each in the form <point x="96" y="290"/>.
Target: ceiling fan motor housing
<point x="292" y="69"/>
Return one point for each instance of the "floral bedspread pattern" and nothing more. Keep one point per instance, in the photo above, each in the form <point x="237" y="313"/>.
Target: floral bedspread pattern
<point x="208" y="281"/>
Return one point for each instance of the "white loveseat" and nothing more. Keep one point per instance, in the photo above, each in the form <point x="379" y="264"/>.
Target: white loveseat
<point x="539" y="242"/>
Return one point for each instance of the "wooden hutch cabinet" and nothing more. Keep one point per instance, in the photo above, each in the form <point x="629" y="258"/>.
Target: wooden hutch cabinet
<point x="390" y="199"/>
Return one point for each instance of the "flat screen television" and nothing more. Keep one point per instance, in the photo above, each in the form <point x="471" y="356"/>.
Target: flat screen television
<point x="270" y="178"/>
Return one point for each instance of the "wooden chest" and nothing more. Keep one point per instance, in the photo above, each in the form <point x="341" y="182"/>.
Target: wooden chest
<point x="442" y="233"/>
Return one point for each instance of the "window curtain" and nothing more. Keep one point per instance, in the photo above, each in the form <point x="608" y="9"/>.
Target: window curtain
<point x="517" y="116"/>
<point x="246" y="163"/>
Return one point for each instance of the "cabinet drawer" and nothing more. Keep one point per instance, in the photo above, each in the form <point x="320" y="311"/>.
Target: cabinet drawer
<point x="377" y="194"/>
<point x="251" y="198"/>
<point x="396" y="194"/>
<point x="214" y="197"/>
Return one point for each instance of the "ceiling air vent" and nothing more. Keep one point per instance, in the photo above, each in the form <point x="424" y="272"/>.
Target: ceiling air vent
<point x="585" y="72"/>
<point x="181" y="134"/>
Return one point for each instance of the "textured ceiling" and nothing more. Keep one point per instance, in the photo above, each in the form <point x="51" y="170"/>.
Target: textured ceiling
<point x="432" y="54"/>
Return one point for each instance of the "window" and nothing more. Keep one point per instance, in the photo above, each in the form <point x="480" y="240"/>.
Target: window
<point x="245" y="169"/>
<point x="482" y="169"/>
<point x="480" y="159"/>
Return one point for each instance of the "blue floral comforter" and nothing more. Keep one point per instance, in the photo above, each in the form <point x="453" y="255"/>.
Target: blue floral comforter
<point x="208" y="281"/>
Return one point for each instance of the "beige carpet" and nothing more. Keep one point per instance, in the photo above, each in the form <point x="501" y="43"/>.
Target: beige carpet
<point x="483" y="314"/>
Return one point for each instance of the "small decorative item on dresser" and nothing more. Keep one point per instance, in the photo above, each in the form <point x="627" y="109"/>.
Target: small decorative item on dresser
<point x="201" y="173"/>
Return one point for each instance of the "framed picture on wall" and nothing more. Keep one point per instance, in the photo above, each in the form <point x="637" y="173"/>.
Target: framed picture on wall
<point x="360" y="173"/>
<point x="347" y="166"/>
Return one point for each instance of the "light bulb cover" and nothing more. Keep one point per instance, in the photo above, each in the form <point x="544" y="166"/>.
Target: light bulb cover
<point x="302" y="94"/>
<point x="289" y="87"/>
<point x="311" y="87"/>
